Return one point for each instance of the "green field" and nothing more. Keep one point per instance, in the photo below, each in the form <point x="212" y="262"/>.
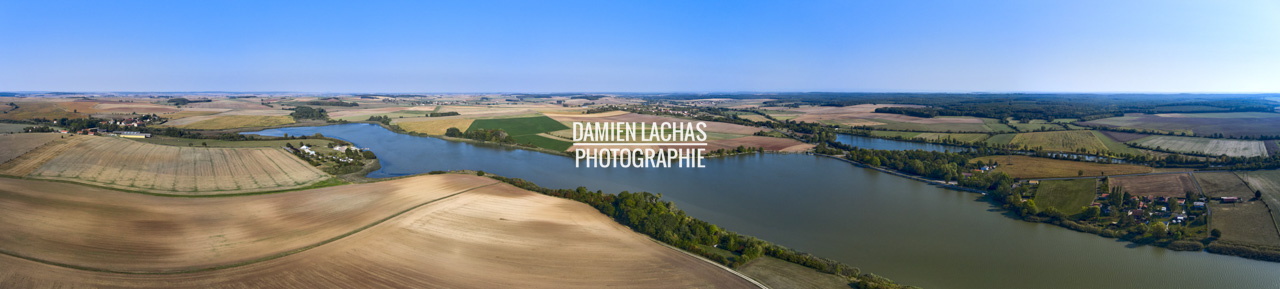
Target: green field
<point x="933" y="127"/>
<point x="1205" y="146"/>
<point x="1001" y="139"/>
<point x="779" y="274"/>
<point x="1067" y="196"/>
<point x="13" y="127"/>
<point x="525" y="130"/>
<point x="1035" y="125"/>
<point x="1115" y="146"/>
<point x="1061" y="141"/>
<point x="994" y="125"/>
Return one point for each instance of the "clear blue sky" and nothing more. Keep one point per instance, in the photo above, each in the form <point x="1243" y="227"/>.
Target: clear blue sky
<point x="641" y="46"/>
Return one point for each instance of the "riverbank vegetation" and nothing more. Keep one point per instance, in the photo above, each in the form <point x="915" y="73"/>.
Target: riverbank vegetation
<point x="646" y="213"/>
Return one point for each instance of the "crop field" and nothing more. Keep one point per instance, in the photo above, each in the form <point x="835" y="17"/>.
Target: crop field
<point x="239" y="121"/>
<point x="133" y="165"/>
<point x="1224" y="184"/>
<point x="718" y="127"/>
<point x="1067" y="196"/>
<point x="14" y="145"/>
<point x="43" y="109"/>
<point x="28" y="162"/>
<point x="526" y="129"/>
<point x="754" y="117"/>
<point x="1114" y="146"/>
<point x="1123" y="136"/>
<point x="435" y="126"/>
<point x="229" y="104"/>
<point x="1229" y="124"/>
<point x="1269" y="183"/>
<point x="1164" y="185"/>
<point x="1062" y="141"/>
<point x="132" y="108"/>
<point x="1248" y="222"/>
<point x="1036" y="125"/>
<point x="1205" y="146"/>
<point x="6" y="128"/>
<point x="319" y="145"/>
<point x="994" y="125"/>
<point x="965" y="137"/>
<point x="1025" y="167"/>
<point x="779" y="274"/>
<point x="445" y="231"/>
<point x="1001" y="139"/>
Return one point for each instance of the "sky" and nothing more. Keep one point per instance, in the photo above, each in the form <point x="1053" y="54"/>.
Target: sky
<point x="641" y="46"/>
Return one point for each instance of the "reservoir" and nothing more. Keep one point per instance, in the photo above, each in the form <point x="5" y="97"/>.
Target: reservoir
<point x="908" y="231"/>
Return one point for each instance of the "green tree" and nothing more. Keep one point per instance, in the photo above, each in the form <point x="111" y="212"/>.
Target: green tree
<point x="1090" y="213"/>
<point x="1216" y="233"/>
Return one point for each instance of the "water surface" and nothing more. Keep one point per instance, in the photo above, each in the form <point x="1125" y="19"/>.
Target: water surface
<point x="906" y="230"/>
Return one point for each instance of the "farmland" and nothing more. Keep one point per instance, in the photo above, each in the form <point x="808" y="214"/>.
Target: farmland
<point x="525" y="130"/>
<point x="1269" y="183"/>
<point x="239" y="121"/>
<point x="17" y="144"/>
<point x="425" y="231"/>
<point x="1066" y="196"/>
<point x="132" y="165"/>
<point x="1163" y="185"/>
<point x="41" y="109"/>
<point x="1248" y="222"/>
<point x="1025" y="167"/>
<point x="321" y="145"/>
<point x="435" y="126"/>
<point x="779" y="274"/>
<point x="1062" y="141"/>
<point x="964" y="137"/>
<point x="1228" y="124"/>
<point x="1224" y="184"/>
<point x="1205" y="146"/>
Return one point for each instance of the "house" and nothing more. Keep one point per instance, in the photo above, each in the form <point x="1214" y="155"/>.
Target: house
<point x="1230" y="199"/>
<point x="308" y="150"/>
<point x="1197" y="205"/>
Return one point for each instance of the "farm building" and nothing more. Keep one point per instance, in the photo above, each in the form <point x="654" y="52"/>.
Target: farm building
<point x="1230" y="199"/>
<point x="132" y="134"/>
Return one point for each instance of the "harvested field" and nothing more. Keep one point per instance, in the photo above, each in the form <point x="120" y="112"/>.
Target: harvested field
<point x="80" y="106"/>
<point x="865" y="115"/>
<point x="1061" y="141"/>
<point x="1248" y="222"/>
<point x="768" y="143"/>
<point x="1025" y="167"/>
<point x="1229" y="124"/>
<point x="1164" y="185"/>
<point x="1067" y="196"/>
<point x="719" y="127"/>
<point x="14" y="145"/>
<point x="186" y="113"/>
<point x="1223" y="184"/>
<point x="779" y="274"/>
<point x="132" y="165"/>
<point x="1269" y="183"/>
<point x="1123" y="136"/>
<point x="1115" y="146"/>
<point x="42" y="109"/>
<point x="34" y="158"/>
<point x="965" y="137"/>
<point x="230" y="104"/>
<point x="128" y="232"/>
<point x="436" y="126"/>
<point x="754" y="117"/>
<point x="1205" y="146"/>
<point x="237" y="121"/>
<point x="134" y="107"/>
<point x="492" y="237"/>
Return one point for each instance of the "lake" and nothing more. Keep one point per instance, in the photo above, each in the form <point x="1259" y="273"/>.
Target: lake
<point x="911" y="232"/>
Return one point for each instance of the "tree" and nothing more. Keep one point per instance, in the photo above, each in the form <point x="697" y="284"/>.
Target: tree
<point x="453" y="132"/>
<point x="1216" y="233"/>
<point x="1090" y="213"/>
<point x="1080" y="173"/>
<point x="1158" y="229"/>
<point x="1257" y="194"/>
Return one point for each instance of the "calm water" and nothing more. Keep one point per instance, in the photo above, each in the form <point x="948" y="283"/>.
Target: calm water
<point x="911" y="232"/>
<point x="885" y="144"/>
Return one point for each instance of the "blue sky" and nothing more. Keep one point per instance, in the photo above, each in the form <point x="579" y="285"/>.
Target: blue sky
<point x="641" y="46"/>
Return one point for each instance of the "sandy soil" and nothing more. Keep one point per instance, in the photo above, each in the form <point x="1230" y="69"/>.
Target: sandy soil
<point x="492" y="237"/>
